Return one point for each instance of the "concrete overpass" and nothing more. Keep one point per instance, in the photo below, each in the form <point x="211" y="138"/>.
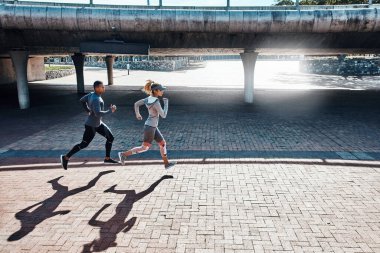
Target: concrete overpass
<point x="36" y="29"/>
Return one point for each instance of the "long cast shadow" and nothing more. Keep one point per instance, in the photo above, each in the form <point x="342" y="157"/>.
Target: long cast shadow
<point x="110" y="228"/>
<point x="29" y="220"/>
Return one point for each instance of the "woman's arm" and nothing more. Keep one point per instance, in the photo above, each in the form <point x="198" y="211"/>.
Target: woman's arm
<point x="163" y="113"/>
<point x="137" y="108"/>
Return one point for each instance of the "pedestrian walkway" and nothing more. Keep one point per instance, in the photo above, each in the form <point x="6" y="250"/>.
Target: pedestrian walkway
<point x="269" y="207"/>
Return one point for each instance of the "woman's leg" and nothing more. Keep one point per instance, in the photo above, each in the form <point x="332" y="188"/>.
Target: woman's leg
<point x="162" y="144"/>
<point x="136" y="150"/>
<point x="148" y="138"/>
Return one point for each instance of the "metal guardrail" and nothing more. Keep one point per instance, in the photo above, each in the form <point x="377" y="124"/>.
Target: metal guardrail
<point x="228" y="5"/>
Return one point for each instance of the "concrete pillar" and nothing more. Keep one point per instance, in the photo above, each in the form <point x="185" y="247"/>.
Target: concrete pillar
<point x="78" y="60"/>
<point x="109" y="62"/>
<point x="249" y="58"/>
<point x="20" y="63"/>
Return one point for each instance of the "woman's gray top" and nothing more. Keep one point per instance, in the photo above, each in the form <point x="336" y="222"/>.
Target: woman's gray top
<point x="154" y="109"/>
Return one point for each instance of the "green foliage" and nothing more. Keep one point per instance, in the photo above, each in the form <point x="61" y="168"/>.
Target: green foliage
<point x="325" y="2"/>
<point x="284" y="2"/>
<point x="55" y="67"/>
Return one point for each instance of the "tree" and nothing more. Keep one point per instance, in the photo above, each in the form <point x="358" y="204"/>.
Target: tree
<point x="284" y="2"/>
<point x="325" y="2"/>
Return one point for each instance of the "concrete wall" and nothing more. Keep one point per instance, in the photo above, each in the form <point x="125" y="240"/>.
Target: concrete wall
<point x="160" y="65"/>
<point x="36" y="70"/>
<point x="7" y="73"/>
<point x="52" y="74"/>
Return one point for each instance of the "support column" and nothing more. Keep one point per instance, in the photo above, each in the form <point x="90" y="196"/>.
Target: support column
<point x="297" y="4"/>
<point x="109" y="62"/>
<point x="78" y="60"/>
<point x="249" y="58"/>
<point x="20" y="63"/>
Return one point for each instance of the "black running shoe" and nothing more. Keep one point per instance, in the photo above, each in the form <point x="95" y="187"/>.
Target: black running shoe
<point x="110" y="161"/>
<point x="171" y="164"/>
<point x="64" y="162"/>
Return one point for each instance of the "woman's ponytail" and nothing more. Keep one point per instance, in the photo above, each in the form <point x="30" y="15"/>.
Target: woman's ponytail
<point x="148" y="87"/>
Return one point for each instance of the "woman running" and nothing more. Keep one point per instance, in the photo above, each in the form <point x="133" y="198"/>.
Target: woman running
<point x="151" y="131"/>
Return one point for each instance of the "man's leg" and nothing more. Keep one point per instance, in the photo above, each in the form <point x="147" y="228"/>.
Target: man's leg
<point x="104" y="131"/>
<point x="88" y="136"/>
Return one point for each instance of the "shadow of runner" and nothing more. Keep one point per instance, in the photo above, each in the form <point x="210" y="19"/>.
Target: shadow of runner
<point x="29" y="220"/>
<point x="109" y="229"/>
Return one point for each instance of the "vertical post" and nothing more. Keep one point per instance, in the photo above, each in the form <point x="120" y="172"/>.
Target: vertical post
<point x="148" y="2"/>
<point x="249" y="58"/>
<point x="228" y="4"/>
<point x="78" y="60"/>
<point x="91" y="2"/>
<point x="369" y="2"/>
<point x="20" y="63"/>
<point x="160" y="3"/>
<point x="297" y="4"/>
<point x="109" y="62"/>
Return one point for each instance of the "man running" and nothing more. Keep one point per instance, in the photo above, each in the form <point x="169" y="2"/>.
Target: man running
<point x="93" y="104"/>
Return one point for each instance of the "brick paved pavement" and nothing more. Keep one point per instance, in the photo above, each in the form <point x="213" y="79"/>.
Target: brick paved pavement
<point x="203" y="208"/>
<point x="296" y="172"/>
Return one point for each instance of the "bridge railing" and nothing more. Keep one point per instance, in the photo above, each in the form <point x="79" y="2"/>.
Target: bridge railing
<point x="189" y="4"/>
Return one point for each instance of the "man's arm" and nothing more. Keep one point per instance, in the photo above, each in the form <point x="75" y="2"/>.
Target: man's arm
<point x="84" y="101"/>
<point x="97" y="110"/>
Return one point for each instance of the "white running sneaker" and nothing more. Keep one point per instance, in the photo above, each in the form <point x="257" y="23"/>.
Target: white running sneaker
<point x="122" y="158"/>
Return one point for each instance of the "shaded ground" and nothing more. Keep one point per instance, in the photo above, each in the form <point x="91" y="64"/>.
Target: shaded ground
<point x="202" y="123"/>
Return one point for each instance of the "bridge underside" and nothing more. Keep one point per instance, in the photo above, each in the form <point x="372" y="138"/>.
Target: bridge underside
<point x="43" y="42"/>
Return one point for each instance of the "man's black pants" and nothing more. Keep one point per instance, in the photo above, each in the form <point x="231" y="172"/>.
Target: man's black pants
<point x="88" y="136"/>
